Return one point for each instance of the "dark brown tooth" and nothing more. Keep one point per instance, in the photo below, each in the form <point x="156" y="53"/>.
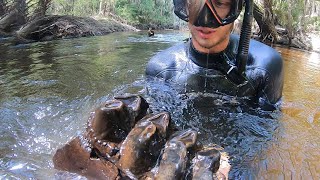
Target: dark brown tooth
<point x="206" y="163"/>
<point x="141" y="149"/>
<point x="174" y="158"/>
<point x="161" y="120"/>
<point x="74" y="158"/>
<point x="137" y="107"/>
<point x="107" y="127"/>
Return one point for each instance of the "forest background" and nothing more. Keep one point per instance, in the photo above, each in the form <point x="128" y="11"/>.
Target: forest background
<point x="275" y="18"/>
<point x="300" y="14"/>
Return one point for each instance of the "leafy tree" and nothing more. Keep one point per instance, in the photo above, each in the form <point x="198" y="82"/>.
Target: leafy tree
<point x="152" y="12"/>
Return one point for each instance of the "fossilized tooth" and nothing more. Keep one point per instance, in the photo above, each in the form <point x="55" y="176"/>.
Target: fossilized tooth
<point x="141" y="148"/>
<point x="106" y="123"/>
<point x="109" y="125"/>
<point x="105" y="129"/>
<point x="114" y="120"/>
<point x="174" y="157"/>
<point x="206" y="163"/>
<point x="160" y="120"/>
<point x="72" y="157"/>
<point x="136" y="105"/>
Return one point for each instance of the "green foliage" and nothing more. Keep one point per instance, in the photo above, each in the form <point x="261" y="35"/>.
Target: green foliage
<point x="126" y="11"/>
<point x="75" y="7"/>
<point x="296" y="9"/>
<point x="85" y="7"/>
<point x="145" y="11"/>
<point x="316" y="23"/>
<point x="136" y="12"/>
<point x="160" y="12"/>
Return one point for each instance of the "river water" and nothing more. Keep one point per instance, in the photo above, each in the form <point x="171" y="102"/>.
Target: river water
<point x="48" y="89"/>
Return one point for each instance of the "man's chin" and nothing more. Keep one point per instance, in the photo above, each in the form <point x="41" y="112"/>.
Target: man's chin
<point x="206" y="45"/>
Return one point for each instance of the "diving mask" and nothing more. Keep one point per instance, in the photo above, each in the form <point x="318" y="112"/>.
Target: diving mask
<point x="209" y="13"/>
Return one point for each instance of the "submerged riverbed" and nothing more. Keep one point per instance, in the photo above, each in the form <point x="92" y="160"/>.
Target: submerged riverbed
<point x="48" y="90"/>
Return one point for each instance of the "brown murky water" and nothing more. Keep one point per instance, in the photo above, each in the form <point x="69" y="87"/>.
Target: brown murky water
<point x="48" y="89"/>
<point x="295" y="151"/>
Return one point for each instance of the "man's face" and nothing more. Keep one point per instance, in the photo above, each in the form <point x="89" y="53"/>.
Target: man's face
<point x="207" y="39"/>
<point x="213" y="40"/>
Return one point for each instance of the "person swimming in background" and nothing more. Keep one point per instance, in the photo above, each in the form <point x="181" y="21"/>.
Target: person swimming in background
<point x="215" y="60"/>
<point x="150" y="32"/>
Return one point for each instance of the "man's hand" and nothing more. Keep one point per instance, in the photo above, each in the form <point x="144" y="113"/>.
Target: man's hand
<point x="123" y="141"/>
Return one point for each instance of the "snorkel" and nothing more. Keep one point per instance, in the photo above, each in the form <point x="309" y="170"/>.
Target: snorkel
<point x="243" y="48"/>
<point x="208" y="17"/>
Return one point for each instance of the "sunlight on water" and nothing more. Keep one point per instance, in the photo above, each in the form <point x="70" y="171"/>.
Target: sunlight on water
<point x="294" y="154"/>
<point x="172" y="37"/>
<point x="48" y="90"/>
<point x="315" y="41"/>
<point x="314" y="60"/>
<point x="18" y="166"/>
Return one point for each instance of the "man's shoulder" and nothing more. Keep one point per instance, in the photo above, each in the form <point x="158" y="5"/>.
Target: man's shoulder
<point x="266" y="57"/>
<point x="166" y="59"/>
<point x="260" y="55"/>
<point x="266" y="62"/>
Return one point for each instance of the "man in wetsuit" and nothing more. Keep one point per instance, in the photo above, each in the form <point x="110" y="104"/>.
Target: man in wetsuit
<point x="209" y="61"/>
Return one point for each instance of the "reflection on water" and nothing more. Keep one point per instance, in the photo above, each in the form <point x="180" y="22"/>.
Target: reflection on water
<point x="49" y="88"/>
<point x="294" y="153"/>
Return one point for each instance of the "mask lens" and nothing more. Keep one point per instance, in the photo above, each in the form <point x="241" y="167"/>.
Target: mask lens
<point x="221" y="7"/>
<point x="224" y="11"/>
<point x="213" y="13"/>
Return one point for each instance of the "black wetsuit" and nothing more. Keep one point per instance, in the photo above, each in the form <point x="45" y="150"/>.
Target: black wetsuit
<point x="193" y="71"/>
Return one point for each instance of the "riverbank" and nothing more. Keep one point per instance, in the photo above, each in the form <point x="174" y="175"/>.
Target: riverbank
<point x="60" y="27"/>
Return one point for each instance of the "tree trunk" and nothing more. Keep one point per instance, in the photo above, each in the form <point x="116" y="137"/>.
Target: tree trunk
<point x="43" y="6"/>
<point x="41" y="9"/>
<point x="35" y="27"/>
<point x="12" y="21"/>
<point x="21" y="6"/>
<point x="289" y="23"/>
<point x="2" y="8"/>
<point x="72" y="8"/>
<point x="101" y="5"/>
<point x="109" y="6"/>
<point x="266" y="24"/>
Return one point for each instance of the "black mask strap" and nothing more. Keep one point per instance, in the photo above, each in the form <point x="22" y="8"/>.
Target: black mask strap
<point x="180" y="9"/>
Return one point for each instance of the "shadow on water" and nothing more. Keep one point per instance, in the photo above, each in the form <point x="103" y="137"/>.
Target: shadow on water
<point x="48" y="90"/>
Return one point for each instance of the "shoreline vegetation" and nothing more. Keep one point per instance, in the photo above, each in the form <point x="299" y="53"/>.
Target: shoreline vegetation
<point x="65" y="26"/>
<point x="27" y="23"/>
